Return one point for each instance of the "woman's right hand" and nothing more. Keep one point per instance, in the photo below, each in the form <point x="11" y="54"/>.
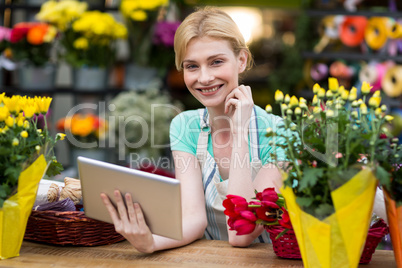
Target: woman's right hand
<point x="130" y="222"/>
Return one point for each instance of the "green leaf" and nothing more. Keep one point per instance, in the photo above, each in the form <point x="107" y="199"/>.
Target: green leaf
<point x="324" y="210"/>
<point x="304" y="201"/>
<point x="310" y="177"/>
<point x="383" y="176"/>
<point x="54" y="169"/>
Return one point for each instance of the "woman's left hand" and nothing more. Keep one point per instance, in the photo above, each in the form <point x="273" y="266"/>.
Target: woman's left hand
<point x="238" y="105"/>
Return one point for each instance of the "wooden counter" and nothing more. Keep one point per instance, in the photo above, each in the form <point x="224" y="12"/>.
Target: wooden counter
<point x="202" y="253"/>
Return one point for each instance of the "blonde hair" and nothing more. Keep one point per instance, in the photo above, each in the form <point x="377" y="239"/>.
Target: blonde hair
<point x="210" y="22"/>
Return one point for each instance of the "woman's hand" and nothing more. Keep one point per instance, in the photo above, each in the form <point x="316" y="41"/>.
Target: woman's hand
<point x="238" y="105"/>
<point x="130" y="222"/>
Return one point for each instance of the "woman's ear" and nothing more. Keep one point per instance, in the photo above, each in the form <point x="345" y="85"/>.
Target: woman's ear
<point x="242" y="60"/>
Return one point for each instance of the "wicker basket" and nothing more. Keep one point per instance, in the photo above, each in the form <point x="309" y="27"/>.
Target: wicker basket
<point x="69" y="228"/>
<point x="286" y="246"/>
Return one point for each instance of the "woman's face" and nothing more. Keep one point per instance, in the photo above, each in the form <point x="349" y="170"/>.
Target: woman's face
<point x="211" y="70"/>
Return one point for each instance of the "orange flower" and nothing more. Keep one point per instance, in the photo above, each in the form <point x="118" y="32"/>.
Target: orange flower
<point x="37" y="33"/>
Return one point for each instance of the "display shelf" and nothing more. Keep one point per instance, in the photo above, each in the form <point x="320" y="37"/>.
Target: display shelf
<point x="62" y="90"/>
<point x="350" y="56"/>
<point x="37" y="7"/>
<point x="323" y="13"/>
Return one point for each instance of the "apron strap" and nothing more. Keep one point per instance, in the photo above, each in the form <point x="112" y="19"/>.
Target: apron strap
<point x="202" y="145"/>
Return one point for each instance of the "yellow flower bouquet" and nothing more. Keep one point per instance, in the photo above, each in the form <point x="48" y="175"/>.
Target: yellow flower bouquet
<point x="26" y="156"/>
<point x="331" y="176"/>
<point x="88" y="38"/>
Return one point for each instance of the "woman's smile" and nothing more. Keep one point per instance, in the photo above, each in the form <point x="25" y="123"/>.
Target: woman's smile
<point x="206" y="91"/>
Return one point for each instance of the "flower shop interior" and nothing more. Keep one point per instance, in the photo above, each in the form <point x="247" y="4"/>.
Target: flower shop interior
<point x="109" y="68"/>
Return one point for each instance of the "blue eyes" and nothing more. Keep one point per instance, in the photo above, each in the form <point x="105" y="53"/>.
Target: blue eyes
<point x="194" y="66"/>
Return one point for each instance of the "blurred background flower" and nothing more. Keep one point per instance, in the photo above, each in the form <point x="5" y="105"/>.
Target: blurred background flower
<point x="32" y="42"/>
<point x="84" y="128"/>
<point x="151" y="26"/>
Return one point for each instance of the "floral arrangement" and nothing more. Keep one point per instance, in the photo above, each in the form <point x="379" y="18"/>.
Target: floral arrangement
<point x="32" y="42"/>
<point x="88" y="38"/>
<point x="22" y="141"/>
<point x="267" y="208"/>
<point x="329" y="142"/>
<point x="84" y="128"/>
<point x="151" y="34"/>
<point x="90" y="41"/>
<point x="61" y="13"/>
<point x="147" y="116"/>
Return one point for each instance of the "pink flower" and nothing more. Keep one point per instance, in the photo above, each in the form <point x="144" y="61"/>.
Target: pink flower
<point x="5" y="34"/>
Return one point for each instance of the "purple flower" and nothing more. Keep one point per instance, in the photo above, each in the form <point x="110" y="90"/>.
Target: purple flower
<point x="164" y="33"/>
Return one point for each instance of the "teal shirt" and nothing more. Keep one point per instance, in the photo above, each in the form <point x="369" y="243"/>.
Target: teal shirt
<point x="185" y="130"/>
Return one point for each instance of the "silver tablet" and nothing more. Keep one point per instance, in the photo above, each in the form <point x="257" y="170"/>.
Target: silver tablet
<point x="158" y="196"/>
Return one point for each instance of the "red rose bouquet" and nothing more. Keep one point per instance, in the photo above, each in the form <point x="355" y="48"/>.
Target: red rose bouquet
<point x="267" y="208"/>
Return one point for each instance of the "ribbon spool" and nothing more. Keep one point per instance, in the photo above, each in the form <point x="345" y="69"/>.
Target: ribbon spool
<point x="376" y="33"/>
<point x="352" y="29"/>
<point x="395" y="30"/>
<point x="339" y="69"/>
<point x="319" y="71"/>
<point x="329" y="31"/>
<point x="392" y="81"/>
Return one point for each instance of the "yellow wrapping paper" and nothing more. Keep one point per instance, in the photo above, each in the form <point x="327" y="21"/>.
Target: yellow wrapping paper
<point x="16" y="210"/>
<point x="338" y="240"/>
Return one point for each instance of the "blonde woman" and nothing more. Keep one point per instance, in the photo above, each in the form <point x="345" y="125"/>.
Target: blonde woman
<point x="219" y="150"/>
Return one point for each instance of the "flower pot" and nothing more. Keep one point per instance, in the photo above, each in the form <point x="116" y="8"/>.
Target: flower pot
<point x="36" y="78"/>
<point x="141" y="78"/>
<point x="394" y="216"/>
<point x="16" y="210"/>
<point x="337" y="240"/>
<point x="90" y="78"/>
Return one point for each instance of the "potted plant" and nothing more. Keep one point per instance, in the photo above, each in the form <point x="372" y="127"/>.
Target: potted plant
<point x="87" y="41"/>
<point x="151" y="27"/>
<point x="32" y="46"/>
<point x="141" y="124"/>
<point x="331" y="175"/>
<point x="26" y="156"/>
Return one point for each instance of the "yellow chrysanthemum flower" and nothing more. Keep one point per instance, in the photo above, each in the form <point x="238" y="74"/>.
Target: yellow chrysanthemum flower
<point x="81" y="43"/>
<point x="43" y="104"/>
<point x="24" y="134"/>
<point x="375" y="102"/>
<point x="279" y="96"/>
<point x="294" y="102"/>
<point x="4" y="113"/>
<point x="10" y="121"/>
<point x="333" y="84"/>
<point x="366" y="88"/>
<point x="15" y="142"/>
